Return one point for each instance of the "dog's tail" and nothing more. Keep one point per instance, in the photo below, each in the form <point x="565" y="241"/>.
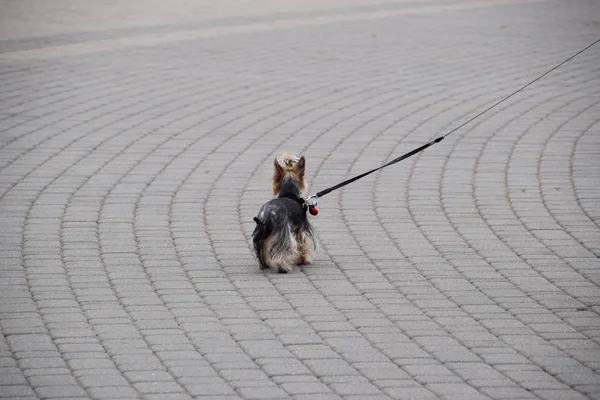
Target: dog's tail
<point x="272" y="238"/>
<point x="263" y="229"/>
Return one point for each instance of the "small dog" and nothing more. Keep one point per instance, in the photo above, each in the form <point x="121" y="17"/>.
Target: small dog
<point x="283" y="236"/>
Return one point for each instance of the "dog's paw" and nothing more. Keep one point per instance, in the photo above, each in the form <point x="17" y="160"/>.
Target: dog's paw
<point x="305" y="258"/>
<point x="284" y="270"/>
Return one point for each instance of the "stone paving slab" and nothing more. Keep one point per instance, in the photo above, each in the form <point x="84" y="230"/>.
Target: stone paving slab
<point x="136" y="145"/>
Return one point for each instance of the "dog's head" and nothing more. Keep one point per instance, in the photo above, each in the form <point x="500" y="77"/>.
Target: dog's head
<point x="289" y="167"/>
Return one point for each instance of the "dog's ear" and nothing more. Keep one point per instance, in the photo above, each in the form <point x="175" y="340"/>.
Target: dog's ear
<point x="277" y="177"/>
<point x="278" y="169"/>
<point x="300" y="166"/>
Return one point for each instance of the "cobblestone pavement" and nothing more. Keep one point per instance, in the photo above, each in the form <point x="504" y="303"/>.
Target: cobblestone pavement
<point x="133" y="159"/>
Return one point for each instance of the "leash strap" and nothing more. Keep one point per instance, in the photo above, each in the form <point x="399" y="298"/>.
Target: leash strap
<point x="439" y="139"/>
<point x="394" y="161"/>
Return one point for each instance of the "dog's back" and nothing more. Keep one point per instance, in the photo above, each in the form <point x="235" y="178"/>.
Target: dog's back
<point x="276" y="222"/>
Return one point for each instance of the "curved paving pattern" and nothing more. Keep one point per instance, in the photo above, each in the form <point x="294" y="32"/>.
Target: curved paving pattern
<point x="133" y="159"/>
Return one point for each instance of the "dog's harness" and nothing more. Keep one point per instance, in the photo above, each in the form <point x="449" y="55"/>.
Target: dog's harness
<point x="311" y="201"/>
<point x="311" y="206"/>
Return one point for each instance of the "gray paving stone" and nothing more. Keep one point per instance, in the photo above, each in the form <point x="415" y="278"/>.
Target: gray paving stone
<point x="559" y="394"/>
<point x="14" y="379"/>
<point x="242" y="374"/>
<point x="45" y="371"/>
<point x="444" y="389"/>
<point x="410" y="393"/>
<point x="114" y="392"/>
<point x="62" y="391"/>
<point x="52" y="380"/>
<point x="21" y="392"/>
<point x="147" y="376"/>
<point x="157" y="387"/>
<point x="359" y="389"/>
<point x="507" y="393"/>
<point x="181" y="396"/>
<point x="330" y="396"/>
<point x="381" y="371"/>
<point x="262" y="393"/>
<point x="330" y="367"/>
<point x="295" y="388"/>
<point x="282" y="366"/>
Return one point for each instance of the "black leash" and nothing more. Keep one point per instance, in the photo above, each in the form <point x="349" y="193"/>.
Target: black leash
<point x="310" y="199"/>
<point x="394" y="161"/>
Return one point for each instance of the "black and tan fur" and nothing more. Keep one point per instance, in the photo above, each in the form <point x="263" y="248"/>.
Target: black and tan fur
<point x="283" y="236"/>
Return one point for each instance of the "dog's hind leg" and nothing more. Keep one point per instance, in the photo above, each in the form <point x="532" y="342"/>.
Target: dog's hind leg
<point x="305" y="246"/>
<point x="285" y="260"/>
<point x="286" y="254"/>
